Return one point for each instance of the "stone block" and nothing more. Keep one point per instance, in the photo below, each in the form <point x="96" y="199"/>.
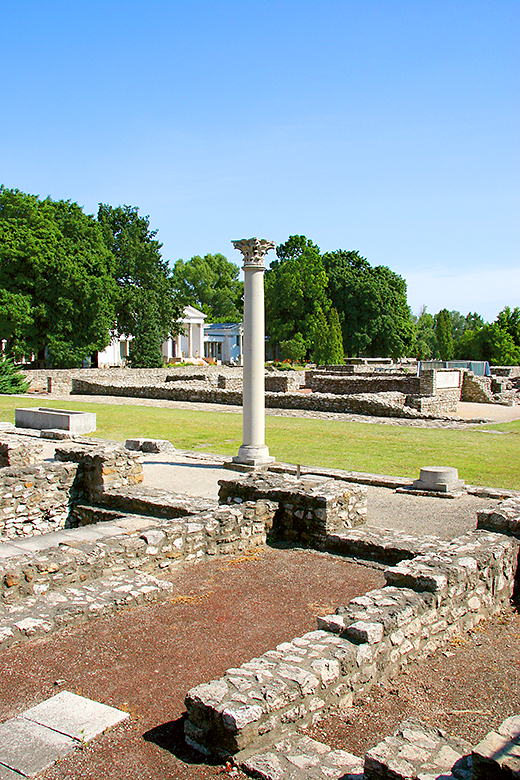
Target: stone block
<point x="75" y="716"/>
<point x="29" y="748"/>
<point x="64" y="419"/>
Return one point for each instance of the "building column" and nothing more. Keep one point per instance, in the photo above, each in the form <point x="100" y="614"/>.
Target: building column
<point x="190" y="340"/>
<point x="201" y="340"/>
<point x="178" y="346"/>
<point x="253" y="451"/>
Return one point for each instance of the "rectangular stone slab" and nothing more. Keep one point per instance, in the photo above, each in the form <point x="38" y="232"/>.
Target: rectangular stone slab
<point x="29" y="748"/>
<point x="64" y="419"/>
<point x="75" y="716"/>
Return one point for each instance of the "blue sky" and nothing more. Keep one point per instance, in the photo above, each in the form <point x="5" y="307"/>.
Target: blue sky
<point x="386" y="126"/>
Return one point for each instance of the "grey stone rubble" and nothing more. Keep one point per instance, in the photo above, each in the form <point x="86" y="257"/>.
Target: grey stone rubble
<point x="55" y="609"/>
<point x="309" y="509"/>
<point x="149" y="445"/>
<point x="43" y="734"/>
<point x="505" y="519"/>
<point x="298" y="757"/>
<point x="416" y="751"/>
<point x="497" y="756"/>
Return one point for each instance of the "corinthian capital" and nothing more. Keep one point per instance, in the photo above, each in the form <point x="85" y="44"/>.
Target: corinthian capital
<point x="254" y="249"/>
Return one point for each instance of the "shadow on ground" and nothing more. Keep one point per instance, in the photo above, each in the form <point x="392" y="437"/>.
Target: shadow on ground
<point x="170" y="736"/>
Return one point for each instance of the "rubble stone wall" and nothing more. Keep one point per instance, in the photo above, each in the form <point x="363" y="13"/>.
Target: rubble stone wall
<point x="102" y="467"/>
<point x="223" y="531"/>
<point x="476" y="389"/>
<point x="351" y="385"/>
<point x="378" y="404"/>
<point x="427" y="600"/>
<point x="309" y="510"/>
<point x="15" y="451"/>
<point x="36" y="499"/>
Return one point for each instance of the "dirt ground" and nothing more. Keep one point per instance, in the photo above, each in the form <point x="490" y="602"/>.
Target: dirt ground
<point x="144" y="660"/>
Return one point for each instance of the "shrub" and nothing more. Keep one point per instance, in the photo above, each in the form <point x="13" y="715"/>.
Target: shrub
<point x="11" y="381"/>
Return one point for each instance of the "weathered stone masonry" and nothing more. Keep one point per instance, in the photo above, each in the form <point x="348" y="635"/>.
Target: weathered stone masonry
<point x="426" y="601"/>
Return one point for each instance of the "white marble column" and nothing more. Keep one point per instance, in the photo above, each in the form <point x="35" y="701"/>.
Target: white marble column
<point x="253" y="451"/>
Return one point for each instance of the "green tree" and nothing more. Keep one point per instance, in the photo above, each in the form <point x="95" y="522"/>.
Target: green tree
<point x="335" y="355"/>
<point x="372" y="306"/>
<point x="56" y="278"/>
<point x="11" y="381"/>
<point x="294" y="349"/>
<point x="210" y="283"/>
<point x="443" y="335"/>
<point x="295" y="291"/>
<point x="425" y="339"/>
<point x="320" y="339"/>
<point x="146" y="299"/>
<point x="145" y="347"/>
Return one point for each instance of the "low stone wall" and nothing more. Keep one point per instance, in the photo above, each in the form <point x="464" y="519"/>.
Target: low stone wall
<point x="427" y="601"/>
<point x="476" y="389"/>
<point x="102" y="466"/>
<point x="15" y="451"/>
<point x="504" y="519"/>
<point x="223" y="531"/>
<point x="284" y="381"/>
<point x="376" y="404"/>
<point x="442" y="405"/>
<point x="36" y="499"/>
<point x="352" y="385"/>
<point x="309" y="509"/>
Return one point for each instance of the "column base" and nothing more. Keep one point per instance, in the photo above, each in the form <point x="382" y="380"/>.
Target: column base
<point x="251" y="455"/>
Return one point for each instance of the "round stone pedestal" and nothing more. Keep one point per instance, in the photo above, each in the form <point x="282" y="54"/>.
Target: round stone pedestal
<point x="443" y="479"/>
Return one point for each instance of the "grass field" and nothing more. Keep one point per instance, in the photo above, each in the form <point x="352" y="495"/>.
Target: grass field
<point x="488" y="455"/>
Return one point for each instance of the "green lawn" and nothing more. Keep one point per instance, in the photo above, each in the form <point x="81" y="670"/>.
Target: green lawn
<point x="482" y="458"/>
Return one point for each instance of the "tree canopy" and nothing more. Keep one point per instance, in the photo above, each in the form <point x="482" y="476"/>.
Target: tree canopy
<point x="295" y="291"/>
<point x="145" y="291"/>
<point x="210" y="283"/>
<point x="56" y="279"/>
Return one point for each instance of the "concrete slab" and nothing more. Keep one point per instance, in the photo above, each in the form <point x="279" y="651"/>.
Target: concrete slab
<point x="29" y="748"/>
<point x="8" y="774"/>
<point x="75" y="716"/>
<point x="8" y="550"/>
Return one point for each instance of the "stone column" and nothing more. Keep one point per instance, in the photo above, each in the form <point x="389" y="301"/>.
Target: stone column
<point x="253" y="451"/>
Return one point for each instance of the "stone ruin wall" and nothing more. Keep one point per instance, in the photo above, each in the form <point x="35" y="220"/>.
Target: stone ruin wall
<point x="434" y="590"/>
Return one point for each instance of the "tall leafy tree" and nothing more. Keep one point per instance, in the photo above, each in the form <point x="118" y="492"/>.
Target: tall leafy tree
<point x="56" y="279"/>
<point x="443" y="335"/>
<point x="425" y="339"/>
<point x="295" y="291"/>
<point x="372" y="306"/>
<point x="147" y="306"/>
<point x="335" y="355"/>
<point x="210" y="283"/>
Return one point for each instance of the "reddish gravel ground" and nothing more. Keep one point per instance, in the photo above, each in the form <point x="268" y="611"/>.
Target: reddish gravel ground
<point x="144" y="660"/>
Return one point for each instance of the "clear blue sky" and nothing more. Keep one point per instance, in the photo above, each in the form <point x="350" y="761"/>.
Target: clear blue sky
<point x="386" y="126"/>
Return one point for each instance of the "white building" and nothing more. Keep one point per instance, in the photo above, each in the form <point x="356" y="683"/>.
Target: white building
<point x="188" y="345"/>
<point x="223" y="342"/>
